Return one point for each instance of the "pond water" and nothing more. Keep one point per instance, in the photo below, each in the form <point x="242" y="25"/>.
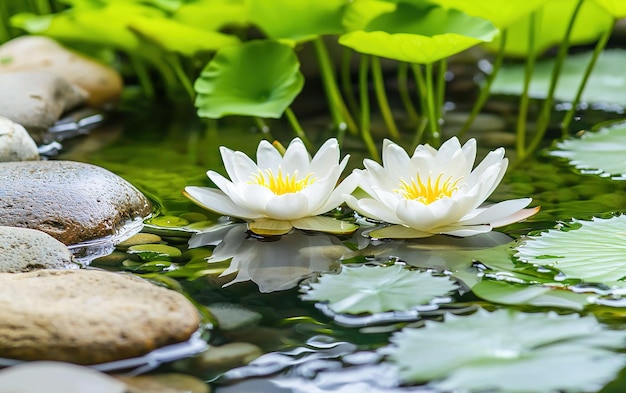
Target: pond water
<point x="308" y="347"/>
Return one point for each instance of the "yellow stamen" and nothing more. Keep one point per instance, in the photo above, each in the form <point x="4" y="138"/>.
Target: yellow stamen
<point x="428" y="192"/>
<point x="281" y="184"/>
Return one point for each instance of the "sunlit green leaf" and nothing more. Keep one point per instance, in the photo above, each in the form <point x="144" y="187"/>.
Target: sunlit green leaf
<point x="373" y="289"/>
<point x="177" y="37"/>
<point x="552" y="22"/>
<point x="502" y="15"/>
<point x="596" y="252"/>
<point x="213" y="14"/>
<point x="617" y="8"/>
<point x="500" y="351"/>
<point x="600" y="152"/>
<point x="300" y="20"/>
<point x="258" y="78"/>
<point x="501" y="292"/>
<point x="359" y="13"/>
<point x="419" y="33"/>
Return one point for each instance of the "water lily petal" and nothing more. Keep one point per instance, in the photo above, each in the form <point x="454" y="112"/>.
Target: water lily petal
<point x="372" y="208"/>
<point x="267" y="157"/>
<point x="267" y="227"/>
<point x="469" y="150"/>
<point x="326" y="157"/>
<point x="325" y="224"/>
<point x="375" y="174"/>
<point x="398" y="232"/>
<point x="218" y="202"/>
<point x="416" y="215"/>
<point x="494" y="213"/>
<point x="288" y="206"/>
<point x="296" y="158"/>
<point x="464" y="231"/>
<point x="242" y="168"/>
<point x="336" y="198"/>
<point x="395" y="159"/>
<point x="516" y="217"/>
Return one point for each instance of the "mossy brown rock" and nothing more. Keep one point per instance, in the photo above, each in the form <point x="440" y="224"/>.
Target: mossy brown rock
<point x="71" y="201"/>
<point x="88" y="316"/>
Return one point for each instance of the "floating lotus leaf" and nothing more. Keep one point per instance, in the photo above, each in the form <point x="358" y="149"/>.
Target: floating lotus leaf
<point x="299" y="20"/>
<point x="506" y="13"/>
<point x="600" y="152"/>
<point x="176" y="37"/>
<point x="552" y="22"/>
<point x="594" y="252"/>
<point x="605" y="87"/>
<point x="502" y="292"/>
<point x="258" y="78"/>
<point x="509" y="352"/>
<point x="419" y="33"/>
<point x="374" y="289"/>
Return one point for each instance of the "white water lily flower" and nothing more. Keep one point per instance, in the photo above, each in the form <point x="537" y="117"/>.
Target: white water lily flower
<point x="435" y="191"/>
<point x="279" y="192"/>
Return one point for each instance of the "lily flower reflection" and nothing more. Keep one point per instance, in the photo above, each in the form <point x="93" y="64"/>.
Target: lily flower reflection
<point x="435" y="192"/>
<point x="273" y="265"/>
<point x="279" y="192"/>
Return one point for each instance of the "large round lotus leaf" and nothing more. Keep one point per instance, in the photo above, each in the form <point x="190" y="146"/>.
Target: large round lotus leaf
<point x="173" y="36"/>
<point x="213" y="14"/>
<point x="421" y="33"/>
<point x="617" y="8"/>
<point x="258" y="78"/>
<point x="552" y="22"/>
<point x="506" y="13"/>
<point x="360" y="12"/>
<point x="299" y="20"/>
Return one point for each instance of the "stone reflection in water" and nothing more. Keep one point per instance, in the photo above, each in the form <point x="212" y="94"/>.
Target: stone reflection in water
<point x="274" y="264"/>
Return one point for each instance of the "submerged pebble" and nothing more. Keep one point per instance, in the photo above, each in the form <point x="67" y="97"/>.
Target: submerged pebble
<point x="224" y="357"/>
<point x="140" y="238"/>
<point x="233" y="317"/>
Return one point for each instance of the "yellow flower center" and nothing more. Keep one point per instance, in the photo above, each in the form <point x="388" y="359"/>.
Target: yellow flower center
<point x="281" y="183"/>
<point x="427" y="192"/>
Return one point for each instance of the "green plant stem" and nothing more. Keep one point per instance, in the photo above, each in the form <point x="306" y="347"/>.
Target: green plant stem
<point x="403" y="83"/>
<point x="174" y="62"/>
<point x="485" y="92"/>
<point x="365" y="108"/>
<point x="433" y="120"/>
<point x="600" y="45"/>
<point x="4" y="22"/>
<point x="520" y="140"/>
<point x="544" y="116"/>
<point x="421" y="87"/>
<point x="338" y="109"/>
<point x="295" y="124"/>
<point x="381" y="97"/>
<point x="346" y="80"/>
<point x="142" y="74"/>
<point x="440" y="92"/>
<point x="263" y="127"/>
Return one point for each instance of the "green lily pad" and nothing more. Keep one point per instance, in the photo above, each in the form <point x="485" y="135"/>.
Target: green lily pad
<point x="154" y="252"/>
<point x="258" y="78"/>
<point x="502" y="292"/>
<point x="600" y="152"/>
<point x="552" y="20"/>
<point x="594" y="252"/>
<point x="419" y="33"/>
<point x="297" y="21"/>
<point x="509" y="352"/>
<point x="374" y="289"/>
<point x="505" y="14"/>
